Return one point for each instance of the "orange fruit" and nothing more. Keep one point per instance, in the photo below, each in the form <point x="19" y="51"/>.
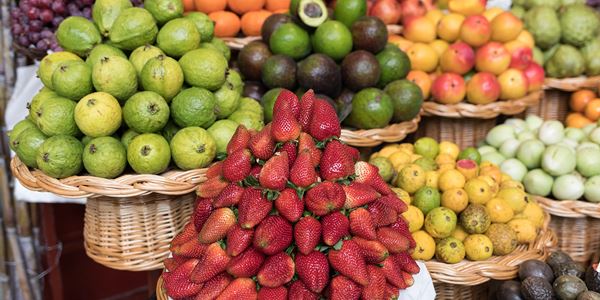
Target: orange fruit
<point x="577" y="120"/>
<point x="227" y="24"/>
<point x="282" y="11"/>
<point x="208" y="6"/>
<point x="423" y="57"/>
<point x="526" y="38"/>
<point x="580" y="99"/>
<point x="277" y="5"/>
<point x="252" y="22"/>
<point x="399" y="41"/>
<point x="188" y="5"/>
<point x="506" y="27"/>
<point x="422" y="80"/>
<point x="244" y="6"/>
<point x="592" y="110"/>
<point x="420" y="29"/>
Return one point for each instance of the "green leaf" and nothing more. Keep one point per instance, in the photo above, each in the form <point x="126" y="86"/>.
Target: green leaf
<point x="338" y="245"/>
<point x="221" y="156"/>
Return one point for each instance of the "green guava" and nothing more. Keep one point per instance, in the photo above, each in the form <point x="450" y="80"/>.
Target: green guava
<point x="134" y="27"/>
<point x="98" y="114"/>
<point x="101" y="51"/>
<point x="149" y="153"/>
<point x="141" y="55"/>
<point x="146" y="112"/>
<point x="78" y="35"/>
<point x="178" y="37"/>
<point x="204" y="24"/>
<point x="72" y="79"/>
<point x="60" y="156"/>
<point x="228" y="96"/>
<point x="16" y="130"/>
<point x="115" y="75"/>
<point x="249" y="119"/>
<point x="170" y="130"/>
<point x="204" y="68"/>
<point x="50" y="62"/>
<point x="194" y="107"/>
<point x="55" y="116"/>
<point x="218" y="44"/>
<point x="104" y="157"/>
<point x="128" y="136"/>
<point x="193" y="148"/>
<point x="27" y="144"/>
<point x="164" y="10"/>
<point x="162" y="75"/>
<point x="221" y="132"/>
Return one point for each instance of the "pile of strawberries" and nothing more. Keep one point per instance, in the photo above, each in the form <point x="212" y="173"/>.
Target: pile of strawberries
<point x="292" y="213"/>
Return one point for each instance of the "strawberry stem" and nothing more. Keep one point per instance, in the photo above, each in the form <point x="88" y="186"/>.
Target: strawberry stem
<point x="221" y="156"/>
<point x="338" y="245"/>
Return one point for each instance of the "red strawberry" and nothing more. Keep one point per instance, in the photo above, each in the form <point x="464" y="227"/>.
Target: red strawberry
<point x="401" y="225"/>
<point x="255" y="171"/>
<point x="215" y="261"/>
<point x="306" y="108"/>
<point x="289" y="205"/>
<point x="350" y="262"/>
<point x="336" y="163"/>
<point x="369" y="174"/>
<point x="343" y="288"/>
<point x="324" y="198"/>
<point x="172" y="263"/>
<point x="381" y="214"/>
<point x="361" y="224"/>
<point x="373" y="251"/>
<point x="230" y="196"/>
<point x="408" y="279"/>
<point x="178" y="284"/>
<point x="212" y="187"/>
<point x="217" y="225"/>
<point x="192" y="248"/>
<point x="290" y="149"/>
<point x="246" y="264"/>
<point x="238" y="239"/>
<point x="298" y="290"/>
<point x="277" y="270"/>
<point x="253" y="208"/>
<point x="214" y="170"/>
<point x="324" y="122"/>
<point x="262" y="144"/>
<point x="214" y="287"/>
<point x="353" y="152"/>
<point x="237" y="165"/>
<point x="285" y="127"/>
<point x="393" y="240"/>
<point x="391" y="292"/>
<point x="335" y="226"/>
<point x="303" y="173"/>
<point x="278" y="293"/>
<point x="376" y="287"/>
<point x="307" y="234"/>
<point x="306" y="142"/>
<point x="393" y="202"/>
<point x="239" y="140"/>
<point x="201" y="213"/>
<point x="286" y="101"/>
<point x="239" y="289"/>
<point x="275" y="172"/>
<point x="394" y="274"/>
<point x="359" y="194"/>
<point x="406" y="263"/>
<point x="273" y="235"/>
<point x="313" y="270"/>
<point x="187" y="234"/>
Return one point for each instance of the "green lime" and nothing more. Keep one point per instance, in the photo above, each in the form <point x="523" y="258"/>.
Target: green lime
<point x="128" y="136"/>
<point x="115" y="75"/>
<point x="426" y="199"/>
<point x="407" y="98"/>
<point x="249" y="119"/>
<point x="251" y="105"/>
<point x="98" y="114"/>
<point x="170" y="130"/>
<point x="105" y="157"/>
<point x="227" y="98"/>
<point x="101" y="51"/>
<point x="371" y="108"/>
<point x="194" y="107"/>
<point x="221" y="132"/>
<point x="348" y="11"/>
<point x="204" y="24"/>
<point x="141" y="55"/>
<point x="470" y="153"/>
<point x="105" y="12"/>
<point x="268" y="101"/>
<point x="39" y="98"/>
<point x="146" y="112"/>
<point x="49" y="64"/>
<point x="218" y="44"/>
<point x="193" y="148"/>
<point x="27" y="145"/>
<point x="78" y="35"/>
<point x="16" y="130"/>
<point x="386" y="169"/>
<point x="73" y="80"/>
<point x="427" y="147"/>
<point x="291" y="40"/>
<point x="178" y="37"/>
<point x="334" y="39"/>
<point x="279" y="71"/>
<point x="60" y="156"/>
<point x="394" y="64"/>
<point x="204" y="68"/>
<point x="162" y="75"/>
<point x="56" y="116"/>
<point x="149" y="153"/>
<point x="164" y="11"/>
<point x="134" y="27"/>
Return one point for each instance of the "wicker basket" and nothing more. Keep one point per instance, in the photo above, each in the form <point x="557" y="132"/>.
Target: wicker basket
<point x="31" y="53"/>
<point x="554" y="106"/>
<point x="373" y="137"/>
<point x="572" y="84"/>
<point x="161" y="293"/>
<point x="445" y="291"/>
<point x="134" y="233"/>
<point x="577" y="226"/>
<point x="466" y="132"/>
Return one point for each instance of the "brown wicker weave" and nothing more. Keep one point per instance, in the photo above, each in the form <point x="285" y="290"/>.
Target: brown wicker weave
<point x="134" y="233"/>
<point x="577" y="226"/>
<point x="572" y="84"/>
<point x="31" y="53"/>
<point x="554" y="106"/>
<point x="161" y="294"/>
<point x="466" y="132"/>
<point x="445" y="291"/>
<point x="169" y="183"/>
<point x="373" y="137"/>
<point x="483" y="111"/>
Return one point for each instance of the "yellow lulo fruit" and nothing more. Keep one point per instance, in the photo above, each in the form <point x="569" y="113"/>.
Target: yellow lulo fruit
<point x="499" y="210"/>
<point x="411" y="178"/>
<point x="415" y="218"/>
<point x="403" y="195"/>
<point x="534" y="213"/>
<point x="399" y="159"/>
<point x="450" y="149"/>
<point x="526" y="231"/>
<point x="478" y="190"/>
<point x="512" y="184"/>
<point x="388" y="150"/>
<point x="432" y="179"/>
<point x="459" y="233"/>
<point x="408" y="147"/>
<point x="491" y="170"/>
<point x="451" y="179"/>
<point x="468" y="168"/>
<point x="425" y="246"/>
<point x="455" y="199"/>
<point x="478" y="247"/>
<point x="516" y="198"/>
<point x="444" y="159"/>
<point x="494" y="186"/>
<point x="445" y="167"/>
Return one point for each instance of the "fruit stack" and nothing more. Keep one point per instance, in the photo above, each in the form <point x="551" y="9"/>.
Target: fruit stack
<point x="471" y="54"/>
<point x="585" y="109"/>
<point x="289" y="206"/>
<point x="396" y="11"/>
<point x="457" y="207"/>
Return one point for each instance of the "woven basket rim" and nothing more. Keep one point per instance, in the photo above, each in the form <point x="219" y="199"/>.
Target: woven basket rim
<point x="373" y="137"/>
<point x="175" y="182"/>
<point x="161" y="293"/>
<point x="569" y="208"/>
<point x="482" y="111"/>
<point x="572" y="84"/>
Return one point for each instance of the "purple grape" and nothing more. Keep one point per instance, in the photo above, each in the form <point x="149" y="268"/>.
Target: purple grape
<point x="46" y="16"/>
<point x="17" y="29"/>
<point x="47" y="33"/>
<point x="23" y="41"/>
<point x="24" y="5"/>
<point x="42" y="44"/>
<point x="58" y="7"/>
<point x="33" y="13"/>
<point x="87" y="12"/>
<point x="36" y="25"/>
<point x="87" y="2"/>
<point x="56" y="21"/>
<point x="45" y="3"/>
<point x="34" y="36"/>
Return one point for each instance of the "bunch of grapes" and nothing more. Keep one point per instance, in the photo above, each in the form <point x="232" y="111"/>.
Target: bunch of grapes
<point x="594" y="3"/>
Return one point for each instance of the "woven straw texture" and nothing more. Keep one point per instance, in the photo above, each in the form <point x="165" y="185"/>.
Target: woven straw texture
<point x="482" y="111"/>
<point x="445" y="291"/>
<point x="577" y="226"/>
<point x="373" y="137"/>
<point x="134" y="233"/>
<point x="572" y="84"/>
<point x="161" y="293"/>
<point x="465" y="132"/>
<point x="554" y="106"/>
<point x="169" y="183"/>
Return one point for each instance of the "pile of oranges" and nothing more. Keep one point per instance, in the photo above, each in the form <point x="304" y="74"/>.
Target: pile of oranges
<point x="231" y="16"/>
<point x="585" y="106"/>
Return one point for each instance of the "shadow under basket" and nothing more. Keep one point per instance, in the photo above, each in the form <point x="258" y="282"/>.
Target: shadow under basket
<point x="465" y="132"/>
<point x="553" y="106"/>
<point x="134" y="233"/>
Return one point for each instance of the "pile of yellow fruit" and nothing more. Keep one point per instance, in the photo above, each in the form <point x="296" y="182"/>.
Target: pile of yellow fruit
<point x="458" y="207"/>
